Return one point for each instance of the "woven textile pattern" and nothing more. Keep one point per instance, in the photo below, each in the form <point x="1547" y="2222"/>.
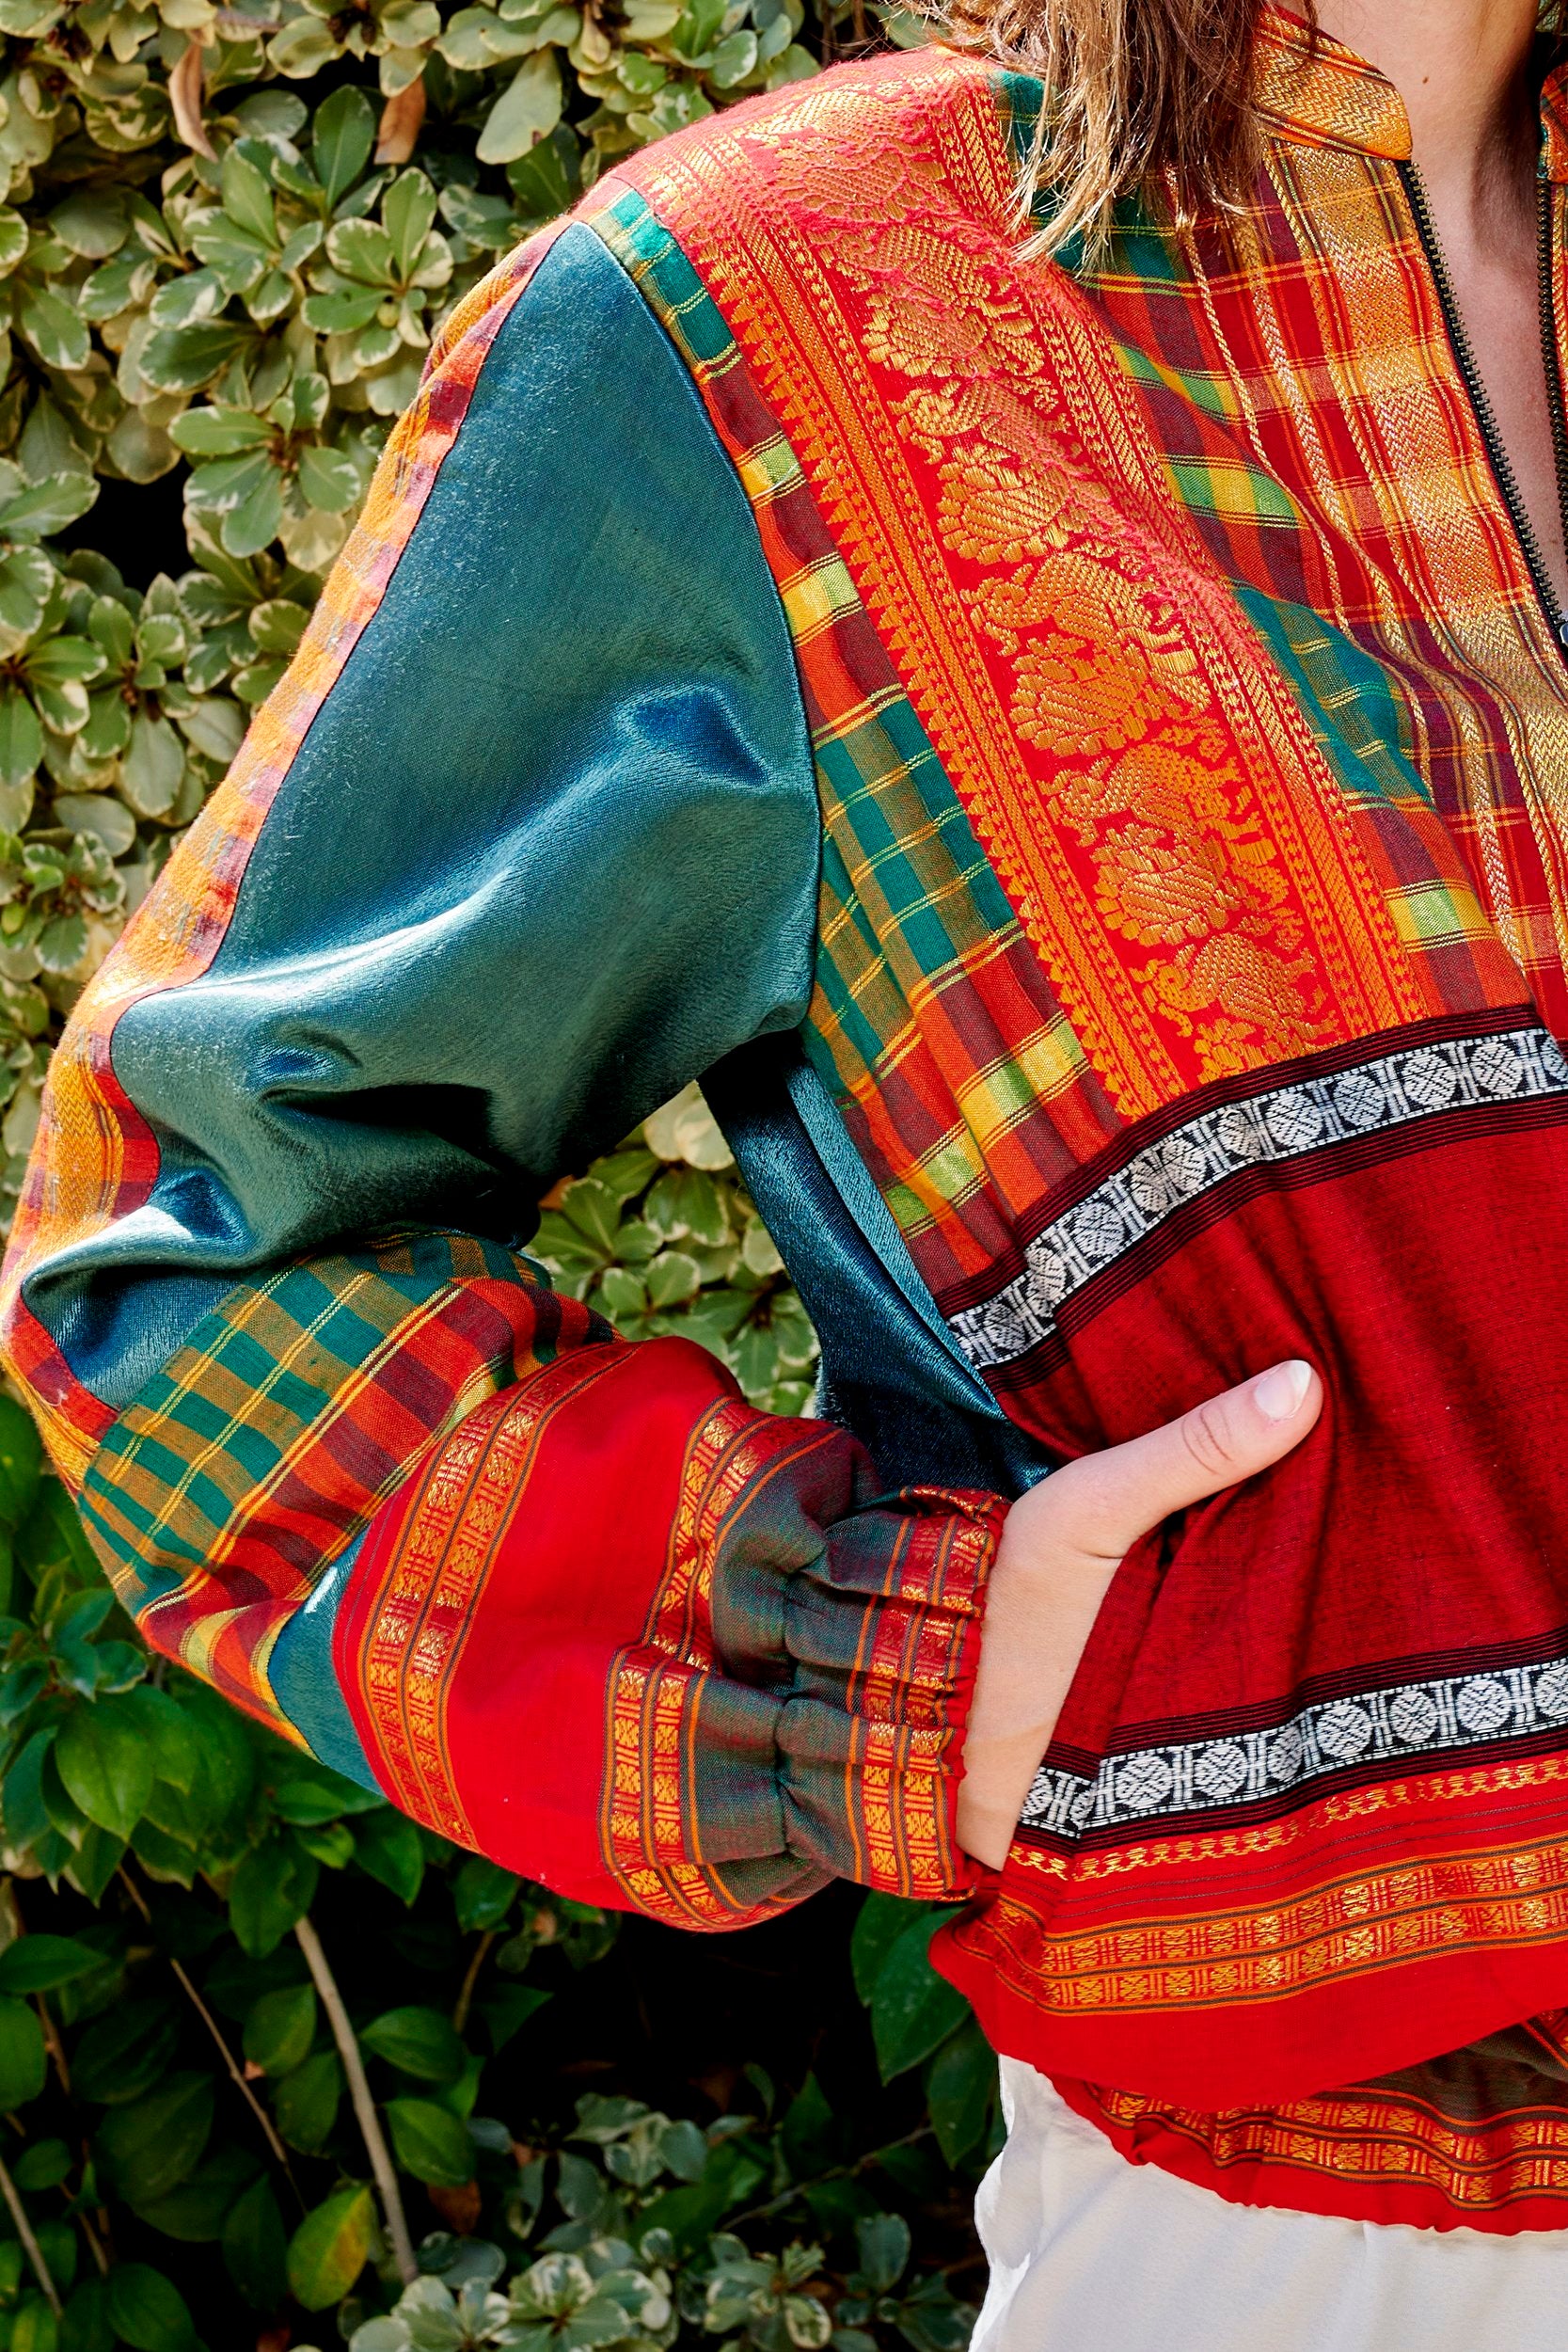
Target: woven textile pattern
<point x="1196" y="729"/>
<point x="1188" y="973"/>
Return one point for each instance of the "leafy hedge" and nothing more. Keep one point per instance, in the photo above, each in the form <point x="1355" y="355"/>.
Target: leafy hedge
<point x="278" y="2065"/>
<point x="274" y="2064"/>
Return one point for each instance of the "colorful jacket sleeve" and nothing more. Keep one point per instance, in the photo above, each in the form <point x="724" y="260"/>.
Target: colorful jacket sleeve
<point x="526" y="839"/>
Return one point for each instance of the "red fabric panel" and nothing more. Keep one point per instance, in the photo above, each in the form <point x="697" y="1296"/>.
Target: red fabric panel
<point x="1257" y="1953"/>
<point x="563" y="1582"/>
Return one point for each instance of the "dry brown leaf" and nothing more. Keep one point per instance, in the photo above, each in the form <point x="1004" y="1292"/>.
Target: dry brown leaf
<point x="459" y="2208"/>
<point x="401" y="119"/>
<point x="184" y="93"/>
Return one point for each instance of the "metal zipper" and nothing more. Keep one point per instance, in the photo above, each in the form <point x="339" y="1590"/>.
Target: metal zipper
<point x="1557" y="618"/>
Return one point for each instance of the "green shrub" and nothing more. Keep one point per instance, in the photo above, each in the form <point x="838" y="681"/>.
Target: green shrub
<point x="253" y="2023"/>
<point x="205" y="1935"/>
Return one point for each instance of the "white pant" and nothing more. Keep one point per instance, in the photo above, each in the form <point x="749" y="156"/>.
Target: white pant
<point x="1090" y="2253"/>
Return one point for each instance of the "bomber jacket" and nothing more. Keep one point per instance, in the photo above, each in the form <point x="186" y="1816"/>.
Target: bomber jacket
<point x="1076" y="758"/>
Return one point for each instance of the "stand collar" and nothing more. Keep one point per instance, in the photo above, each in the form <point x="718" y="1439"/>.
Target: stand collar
<point x="1322" y="94"/>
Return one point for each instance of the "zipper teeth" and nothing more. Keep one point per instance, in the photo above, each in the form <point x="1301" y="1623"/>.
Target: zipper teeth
<point x="1480" y="399"/>
<point x="1547" y="294"/>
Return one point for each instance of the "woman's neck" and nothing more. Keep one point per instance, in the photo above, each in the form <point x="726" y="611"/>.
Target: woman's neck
<point x="1461" y="68"/>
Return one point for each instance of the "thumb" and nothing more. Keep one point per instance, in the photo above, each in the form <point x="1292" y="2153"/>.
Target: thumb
<point x="1120" y="1494"/>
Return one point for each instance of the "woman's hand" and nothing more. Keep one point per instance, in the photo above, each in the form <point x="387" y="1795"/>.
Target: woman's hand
<point x="1061" y="1545"/>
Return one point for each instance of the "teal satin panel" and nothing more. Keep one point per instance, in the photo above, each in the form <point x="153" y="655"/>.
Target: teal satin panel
<point x="304" y="1681"/>
<point x="549" y="850"/>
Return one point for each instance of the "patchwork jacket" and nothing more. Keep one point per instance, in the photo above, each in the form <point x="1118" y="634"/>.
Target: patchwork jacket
<point x="1078" y="761"/>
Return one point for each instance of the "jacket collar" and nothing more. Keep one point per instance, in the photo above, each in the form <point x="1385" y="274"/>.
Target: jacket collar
<point x="1322" y="94"/>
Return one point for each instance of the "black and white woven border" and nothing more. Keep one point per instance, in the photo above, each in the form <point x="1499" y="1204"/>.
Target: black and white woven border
<point x="1284" y="1124"/>
<point x="1403" y="1723"/>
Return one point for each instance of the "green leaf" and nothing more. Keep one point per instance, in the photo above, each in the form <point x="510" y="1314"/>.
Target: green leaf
<point x="107" y="1765"/>
<point x="153" y="768"/>
<point x="879" y="1922"/>
<point x="184" y="301"/>
<point x="305" y="1791"/>
<point x="170" y="1735"/>
<point x="273" y="1887"/>
<point x="153" y="2145"/>
<point x="87" y="2326"/>
<point x="26" y="1817"/>
<point x="196" y="2211"/>
<point x="21" y="737"/>
<point x="882" y="2240"/>
<point x="340" y="314"/>
<point x="734" y="57"/>
<point x="247" y="194"/>
<point x="302" y="48"/>
<point x="280" y="2028"/>
<point x="386" y="1845"/>
<point x="44" y="2165"/>
<point x="547" y="180"/>
<point x="54" y="328"/>
<point x="62" y="943"/>
<point x="219" y="432"/>
<point x="27" y="576"/>
<point x="20" y="1462"/>
<point x="691" y="2212"/>
<point x="960" y="2091"/>
<point x="430" y="2142"/>
<point x="50" y="505"/>
<point x="481" y="1893"/>
<point x="220" y="484"/>
<point x="23" y="2057"/>
<point x="227" y="1765"/>
<point x="330" y="2249"/>
<point x="39" y="1963"/>
<point x="507" y="2010"/>
<point x="341" y="139"/>
<point x="408" y="212"/>
<point x="671" y="1278"/>
<point x="417" y="2042"/>
<point x="91" y="221"/>
<point x="912" y="2009"/>
<point x="254" y="523"/>
<point x="122" y="2055"/>
<point x="146" y="2310"/>
<point x="306" y="2102"/>
<point x="255" y="2249"/>
<point x="183" y="359"/>
<point x="526" y="112"/>
<point x="363" y="250"/>
<point x="330" y="480"/>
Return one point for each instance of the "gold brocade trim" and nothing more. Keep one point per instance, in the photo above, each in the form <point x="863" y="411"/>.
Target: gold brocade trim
<point x="1368" y="1918"/>
<point x="1345" y="1806"/>
<point x="1143" y="779"/>
<point x="1322" y="92"/>
<point x="649" y="1831"/>
<point x="1423" y="486"/>
<point x="1368" y="2137"/>
<point x="411" y="1648"/>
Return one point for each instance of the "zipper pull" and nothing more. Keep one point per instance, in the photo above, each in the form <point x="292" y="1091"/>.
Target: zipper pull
<point x="1562" y="630"/>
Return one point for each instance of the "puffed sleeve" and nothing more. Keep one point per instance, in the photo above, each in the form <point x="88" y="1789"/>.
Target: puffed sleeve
<point x="526" y="839"/>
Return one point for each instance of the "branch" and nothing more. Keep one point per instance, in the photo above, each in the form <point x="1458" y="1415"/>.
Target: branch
<point x="280" y="2151"/>
<point x="24" y="2232"/>
<point x="53" y="2042"/>
<point x="465" y="1999"/>
<point x="360" y="2090"/>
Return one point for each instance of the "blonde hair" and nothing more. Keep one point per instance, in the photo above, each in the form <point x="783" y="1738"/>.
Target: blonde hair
<point x="1132" y="87"/>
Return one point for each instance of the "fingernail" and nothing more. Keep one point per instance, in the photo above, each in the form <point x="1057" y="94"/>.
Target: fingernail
<point x="1280" y="1392"/>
